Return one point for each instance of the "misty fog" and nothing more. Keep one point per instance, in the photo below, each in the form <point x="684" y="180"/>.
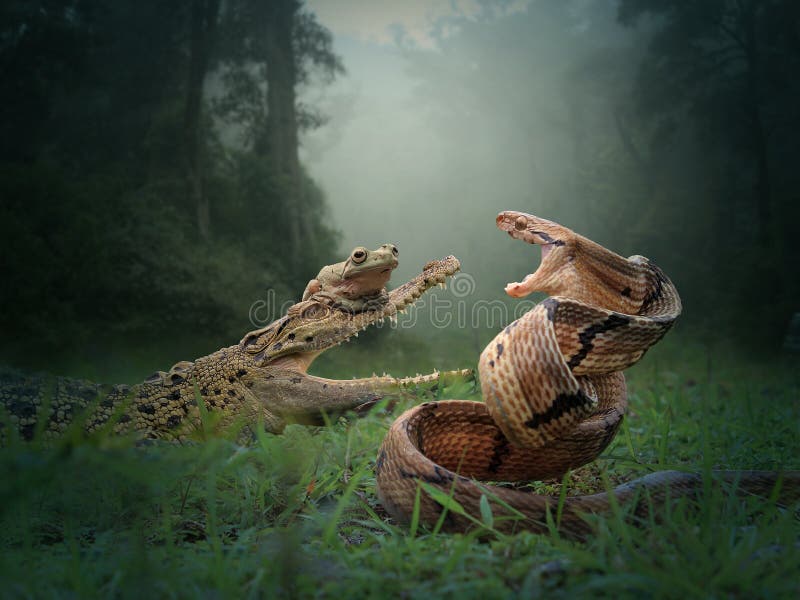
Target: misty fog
<point x="425" y="145"/>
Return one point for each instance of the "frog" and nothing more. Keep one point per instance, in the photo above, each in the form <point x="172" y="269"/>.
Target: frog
<point x="359" y="282"/>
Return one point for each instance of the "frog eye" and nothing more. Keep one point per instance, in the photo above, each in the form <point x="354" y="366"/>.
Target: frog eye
<point x="359" y="255"/>
<point x="521" y="223"/>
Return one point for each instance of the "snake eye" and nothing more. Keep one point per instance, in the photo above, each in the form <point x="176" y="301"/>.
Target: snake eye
<point x="359" y="255"/>
<point x="521" y="223"/>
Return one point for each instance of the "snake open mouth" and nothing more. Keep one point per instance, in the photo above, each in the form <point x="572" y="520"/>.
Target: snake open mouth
<point x="532" y="230"/>
<point x="526" y="286"/>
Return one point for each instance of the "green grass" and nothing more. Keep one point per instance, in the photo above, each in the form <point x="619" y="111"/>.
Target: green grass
<point x="296" y="515"/>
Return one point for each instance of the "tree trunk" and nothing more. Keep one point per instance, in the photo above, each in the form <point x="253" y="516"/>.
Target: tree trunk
<point x="203" y="27"/>
<point x="281" y="142"/>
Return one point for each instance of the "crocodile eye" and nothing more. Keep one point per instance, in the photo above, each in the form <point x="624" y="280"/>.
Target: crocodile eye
<point x="315" y="311"/>
<point x="359" y="255"/>
<point x="521" y="223"/>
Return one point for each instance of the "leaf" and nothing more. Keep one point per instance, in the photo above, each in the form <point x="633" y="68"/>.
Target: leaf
<point x="415" y="515"/>
<point x="486" y="512"/>
<point x="446" y="501"/>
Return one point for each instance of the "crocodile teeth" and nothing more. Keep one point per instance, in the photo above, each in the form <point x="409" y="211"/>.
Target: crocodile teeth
<point x="393" y="319"/>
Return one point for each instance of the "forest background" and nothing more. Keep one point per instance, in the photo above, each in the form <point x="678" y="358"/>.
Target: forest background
<point x="164" y="167"/>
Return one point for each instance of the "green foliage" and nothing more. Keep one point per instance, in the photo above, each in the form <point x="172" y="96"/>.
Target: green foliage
<point x="80" y="276"/>
<point x="296" y="514"/>
<point x="100" y="233"/>
<point x="718" y="84"/>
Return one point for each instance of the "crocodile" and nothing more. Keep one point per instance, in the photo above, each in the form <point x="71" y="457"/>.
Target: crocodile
<point x="262" y="381"/>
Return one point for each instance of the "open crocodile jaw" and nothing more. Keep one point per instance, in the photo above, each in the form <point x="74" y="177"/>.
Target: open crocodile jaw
<point x="435" y="273"/>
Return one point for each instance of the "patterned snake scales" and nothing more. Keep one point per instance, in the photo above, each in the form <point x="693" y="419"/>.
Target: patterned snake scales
<point x="554" y="397"/>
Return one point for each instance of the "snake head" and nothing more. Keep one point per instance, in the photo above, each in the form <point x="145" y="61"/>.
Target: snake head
<point x="576" y="267"/>
<point x="558" y="251"/>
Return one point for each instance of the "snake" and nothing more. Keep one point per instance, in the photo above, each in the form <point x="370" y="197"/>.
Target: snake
<point x="554" y="397"/>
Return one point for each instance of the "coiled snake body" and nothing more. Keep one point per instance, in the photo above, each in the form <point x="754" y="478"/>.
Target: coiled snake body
<point x="554" y="397"/>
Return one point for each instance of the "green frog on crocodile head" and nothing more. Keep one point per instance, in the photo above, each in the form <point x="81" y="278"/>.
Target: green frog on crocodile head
<point x="359" y="282"/>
